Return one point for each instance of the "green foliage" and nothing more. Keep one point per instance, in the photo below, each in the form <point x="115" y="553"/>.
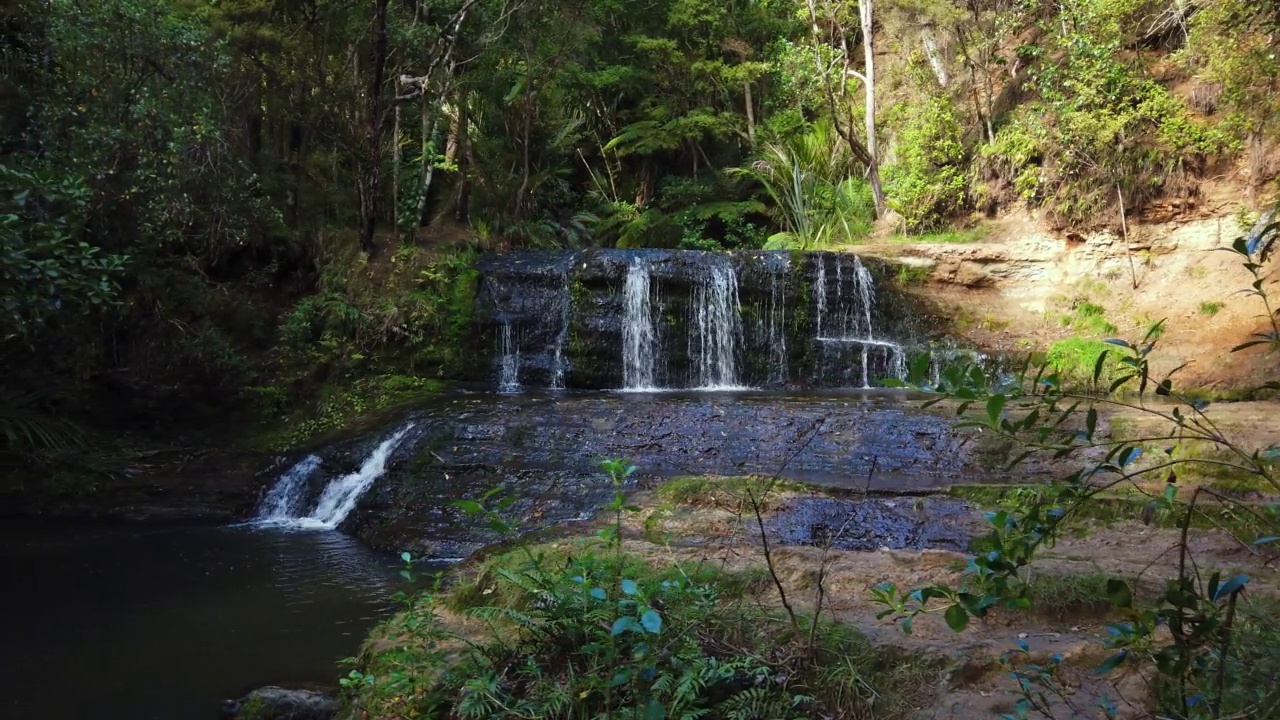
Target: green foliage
<point x="816" y="202"/>
<point x="336" y="406"/>
<point x="957" y="237"/>
<point x="1211" y="308"/>
<point x="1100" y="123"/>
<point x="30" y="433"/>
<point x="1075" y="359"/>
<point x="1089" y="317"/>
<point x="419" y="312"/>
<point x="45" y="271"/>
<point x="586" y="629"/>
<point x="927" y="182"/>
<point x="1187" y="633"/>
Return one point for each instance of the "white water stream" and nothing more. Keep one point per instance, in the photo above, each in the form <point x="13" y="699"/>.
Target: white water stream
<point x="281" y="506"/>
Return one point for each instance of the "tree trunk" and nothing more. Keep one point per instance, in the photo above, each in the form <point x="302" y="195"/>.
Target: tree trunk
<point x="426" y="159"/>
<point x="869" y="86"/>
<point x="371" y="182"/>
<point x="751" y="113"/>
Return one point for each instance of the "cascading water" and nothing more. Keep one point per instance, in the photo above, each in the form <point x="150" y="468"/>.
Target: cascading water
<point x="509" y="361"/>
<point x="774" y="321"/>
<point x="848" y="326"/>
<point x="652" y="320"/>
<point x="284" y="500"/>
<point x="339" y="498"/>
<point x="564" y="301"/>
<point x="716" y="330"/>
<point x="639" y="337"/>
<point x="820" y="295"/>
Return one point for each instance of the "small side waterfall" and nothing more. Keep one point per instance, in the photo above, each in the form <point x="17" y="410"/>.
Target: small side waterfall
<point x="716" y="330"/>
<point x="282" y="504"/>
<point x="639" y="336"/>
<point x="509" y="361"/>
<point x="284" y="500"/>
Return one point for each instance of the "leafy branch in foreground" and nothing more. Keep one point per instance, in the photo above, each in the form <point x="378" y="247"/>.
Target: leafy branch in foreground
<point x="1200" y="671"/>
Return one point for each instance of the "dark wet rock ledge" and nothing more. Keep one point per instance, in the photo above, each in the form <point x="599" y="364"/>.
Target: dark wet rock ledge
<point x="544" y="453"/>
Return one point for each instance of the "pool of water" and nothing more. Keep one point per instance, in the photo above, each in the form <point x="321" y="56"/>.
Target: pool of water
<point x="135" y="622"/>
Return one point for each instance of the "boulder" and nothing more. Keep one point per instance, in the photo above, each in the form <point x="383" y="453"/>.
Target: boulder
<point x="277" y="703"/>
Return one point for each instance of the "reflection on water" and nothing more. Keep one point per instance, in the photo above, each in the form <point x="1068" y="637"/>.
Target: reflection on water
<point x="161" y="623"/>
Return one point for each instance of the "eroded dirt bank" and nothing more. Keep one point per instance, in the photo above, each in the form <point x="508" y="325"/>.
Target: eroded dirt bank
<point x="1024" y="287"/>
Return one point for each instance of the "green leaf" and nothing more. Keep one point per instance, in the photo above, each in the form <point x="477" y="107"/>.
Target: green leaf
<point x="1231" y="587"/>
<point x="906" y="624"/>
<point x="1250" y="344"/>
<point x="470" y="507"/>
<point x="957" y="618"/>
<point x="1112" y="662"/>
<point x="1091" y="422"/>
<point x="1115" y="384"/>
<point x="1119" y="594"/>
<point x="651" y="621"/>
<point x="994" y="406"/>
<point x="622" y="625"/>
<point x="1098" y="364"/>
<point x="406" y="557"/>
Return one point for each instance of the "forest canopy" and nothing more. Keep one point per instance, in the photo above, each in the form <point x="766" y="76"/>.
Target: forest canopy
<point x="186" y="183"/>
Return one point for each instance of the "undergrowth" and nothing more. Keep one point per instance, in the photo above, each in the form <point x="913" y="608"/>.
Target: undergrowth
<point x="585" y="629"/>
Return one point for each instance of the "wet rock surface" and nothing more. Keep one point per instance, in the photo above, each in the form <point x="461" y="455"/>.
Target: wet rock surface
<point x="277" y="703"/>
<point x="904" y="523"/>
<point x="543" y="453"/>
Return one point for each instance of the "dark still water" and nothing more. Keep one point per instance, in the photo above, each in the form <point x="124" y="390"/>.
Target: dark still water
<point x="139" y="622"/>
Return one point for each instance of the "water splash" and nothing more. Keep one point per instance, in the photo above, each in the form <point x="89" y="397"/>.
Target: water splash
<point x="341" y="494"/>
<point x="717" y="329"/>
<point x="285" y="499"/>
<point x="509" y="363"/>
<point x="639" y="338"/>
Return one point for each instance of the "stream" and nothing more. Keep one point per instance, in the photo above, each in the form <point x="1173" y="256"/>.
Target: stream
<point x="146" y="622"/>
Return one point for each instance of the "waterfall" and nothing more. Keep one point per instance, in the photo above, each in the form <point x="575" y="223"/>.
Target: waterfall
<point x="865" y="286"/>
<point x="564" y="300"/>
<point x="284" y="500"/>
<point x="854" y="331"/>
<point x="820" y="293"/>
<point x="338" y="498"/>
<point x="653" y="320"/>
<point x="717" y="329"/>
<point x="509" y="367"/>
<point x="639" y="339"/>
<point x="777" y="321"/>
